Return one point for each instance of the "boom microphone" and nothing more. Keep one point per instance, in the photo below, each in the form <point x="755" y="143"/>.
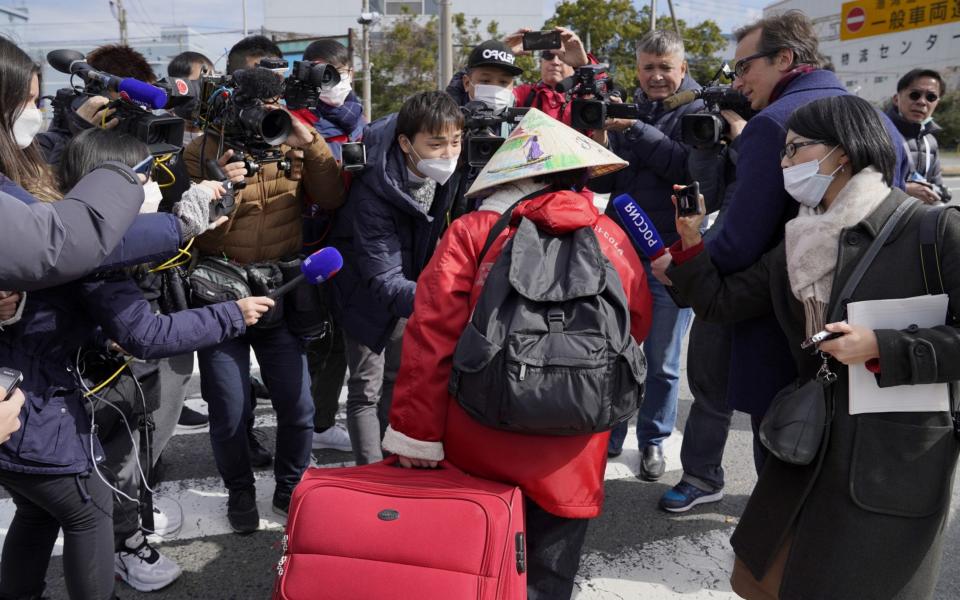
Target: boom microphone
<point x="639" y="227"/>
<point x="316" y="268"/>
<point x="73" y="63"/>
<point x="681" y="98"/>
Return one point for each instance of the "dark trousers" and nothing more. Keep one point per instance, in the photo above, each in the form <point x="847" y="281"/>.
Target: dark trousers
<point x="225" y="385"/>
<point x="553" y="552"/>
<point x="705" y="433"/>
<point x="327" y="362"/>
<point x="81" y="505"/>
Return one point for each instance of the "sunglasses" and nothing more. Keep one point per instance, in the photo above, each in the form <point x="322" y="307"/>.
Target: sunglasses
<point x="740" y="68"/>
<point x="548" y="55"/>
<point x="917" y="94"/>
<point x="145" y="166"/>
<point x="790" y="150"/>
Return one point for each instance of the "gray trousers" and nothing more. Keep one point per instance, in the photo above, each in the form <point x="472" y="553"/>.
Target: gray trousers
<point x="370" y="392"/>
<point x="705" y="433"/>
<point x="121" y="449"/>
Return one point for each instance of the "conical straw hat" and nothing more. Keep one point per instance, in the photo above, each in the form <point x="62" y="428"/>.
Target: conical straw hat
<point x="540" y="145"/>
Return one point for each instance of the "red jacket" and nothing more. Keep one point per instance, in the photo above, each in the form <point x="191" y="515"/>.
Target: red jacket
<point x="544" y="98"/>
<point x="562" y="474"/>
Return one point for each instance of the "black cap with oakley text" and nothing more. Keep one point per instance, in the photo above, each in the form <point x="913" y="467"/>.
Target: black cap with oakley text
<point x="494" y="53"/>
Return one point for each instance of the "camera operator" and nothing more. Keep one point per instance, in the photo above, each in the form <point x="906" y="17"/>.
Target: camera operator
<point x="485" y="89"/>
<point x="918" y="94"/>
<point x="265" y="227"/>
<point x="778" y="69"/>
<point x="338" y="117"/>
<point x="190" y="66"/>
<point x="555" y="66"/>
<point x="658" y="159"/>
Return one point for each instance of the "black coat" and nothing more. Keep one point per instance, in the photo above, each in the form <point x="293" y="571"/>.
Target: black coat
<point x="869" y="513"/>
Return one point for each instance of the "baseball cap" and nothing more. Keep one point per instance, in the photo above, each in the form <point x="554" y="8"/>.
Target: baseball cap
<point x="494" y="53"/>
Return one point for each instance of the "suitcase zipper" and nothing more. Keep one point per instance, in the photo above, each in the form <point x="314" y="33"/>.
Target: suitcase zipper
<point x="283" y="558"/>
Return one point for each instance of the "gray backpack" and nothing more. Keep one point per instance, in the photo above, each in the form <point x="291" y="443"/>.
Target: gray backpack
<point x="548" y="349"/>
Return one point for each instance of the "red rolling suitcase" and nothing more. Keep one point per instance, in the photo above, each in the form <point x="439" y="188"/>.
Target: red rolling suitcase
<point x="381" y="531"/>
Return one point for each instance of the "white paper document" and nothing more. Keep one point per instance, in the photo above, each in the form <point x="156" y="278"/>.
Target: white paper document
<point x="865" y="395"/>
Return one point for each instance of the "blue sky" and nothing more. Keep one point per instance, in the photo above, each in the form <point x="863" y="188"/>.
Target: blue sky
<point x="221" y="21"/>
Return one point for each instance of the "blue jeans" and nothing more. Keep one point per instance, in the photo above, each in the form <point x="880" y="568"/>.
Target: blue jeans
<point x="658" y="411"/>
<point x="225" y="385"/>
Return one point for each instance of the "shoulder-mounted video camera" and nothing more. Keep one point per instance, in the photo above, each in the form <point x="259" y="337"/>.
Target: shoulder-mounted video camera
<point x="707" y="127"/>
<point x="482" y="127"/>
<point x="132" y="109"/>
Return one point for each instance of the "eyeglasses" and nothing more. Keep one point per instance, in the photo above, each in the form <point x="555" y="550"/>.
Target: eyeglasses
<point x="145" y="166"/>
<point x="917" y="94"/>
<point x="790" y="149"/>
<point x="740" y="68"/>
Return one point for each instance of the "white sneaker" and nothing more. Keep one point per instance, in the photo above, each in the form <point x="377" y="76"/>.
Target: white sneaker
<point x="166" y="522"/>
<point x="142" y="567"/>
<point x="335" y="438"/>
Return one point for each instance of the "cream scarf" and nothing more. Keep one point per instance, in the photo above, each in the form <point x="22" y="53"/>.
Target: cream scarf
<point x="812" y="242"/>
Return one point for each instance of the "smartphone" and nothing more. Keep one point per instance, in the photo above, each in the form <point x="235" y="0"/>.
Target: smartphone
<point x="688" y="200"/>
<point x="354" y="155"/>
<point x="10" y="380"/>
<point x="819" y="338"/>
<point x="542" y="40"/>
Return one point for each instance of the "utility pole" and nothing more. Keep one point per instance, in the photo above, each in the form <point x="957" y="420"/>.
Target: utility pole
<point x="446" y="45"/>
<point x="653" y="15"/>
<point x="243" y="4"/>
<point x="673" y="15"/>
<point x="365" y="24"/>
<point x="122" y="18"/>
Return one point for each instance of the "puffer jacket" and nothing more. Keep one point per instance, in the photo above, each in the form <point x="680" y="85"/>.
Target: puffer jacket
<point x="266" y="223"/>
<point x="386" y="240"/>
<point x="658" y="159"/>
<point x="562" y="474"/>
<point x="922" y="150"/>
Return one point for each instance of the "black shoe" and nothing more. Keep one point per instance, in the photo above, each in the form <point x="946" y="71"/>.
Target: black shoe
<point x="260" y="457"/>
<point x="192" y="419"/>
<point x="652" y="464"/>
<point x="242" y="510"/>
<point x="281" y="501"/>
<point x="614" y="452"/>
<point x="258" y="389"/>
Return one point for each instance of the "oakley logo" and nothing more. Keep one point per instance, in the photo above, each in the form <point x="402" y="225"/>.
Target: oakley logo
<point x="499" y="55"/>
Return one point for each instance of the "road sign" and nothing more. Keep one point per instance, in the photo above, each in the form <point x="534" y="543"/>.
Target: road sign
<point x="865" y="18"/>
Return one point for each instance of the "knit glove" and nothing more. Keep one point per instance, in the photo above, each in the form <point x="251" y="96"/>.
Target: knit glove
<point x="193" y="211"/>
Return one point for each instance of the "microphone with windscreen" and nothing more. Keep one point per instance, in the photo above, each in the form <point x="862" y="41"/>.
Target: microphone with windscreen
<point x="72" y="62"/>
<point x="682" y="99"/>
<point x="316" y="268"/>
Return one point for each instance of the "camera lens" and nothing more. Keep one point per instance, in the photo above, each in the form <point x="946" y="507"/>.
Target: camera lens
<point x="593" y="114"/>
<point x="273" y="126"/>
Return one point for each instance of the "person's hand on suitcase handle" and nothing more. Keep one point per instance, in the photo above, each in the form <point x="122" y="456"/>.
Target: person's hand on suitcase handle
<point x="417" y="463"/>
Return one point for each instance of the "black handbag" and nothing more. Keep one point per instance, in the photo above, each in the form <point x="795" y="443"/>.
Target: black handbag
<point x="216" y="280"/>
<point x="792" y="428"/>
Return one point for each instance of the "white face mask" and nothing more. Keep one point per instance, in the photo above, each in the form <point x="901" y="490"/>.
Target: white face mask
<point x="494" y="96"/>
<point x="437" y="169"/>
<point x="805" y="182"/>
<point x="27" y="125"/>
<point x="337" y="94"/>
<point x="151" y="197"/>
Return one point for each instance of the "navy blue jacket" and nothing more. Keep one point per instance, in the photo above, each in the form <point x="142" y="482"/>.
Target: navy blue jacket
<point x="657" y="161"/>
<point x="760" y="361"/>
<point x="386" y="240"/>
<point x="55" y="435"/>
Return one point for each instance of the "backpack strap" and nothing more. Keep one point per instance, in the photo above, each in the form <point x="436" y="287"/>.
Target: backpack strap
<point x="502" y="223"/>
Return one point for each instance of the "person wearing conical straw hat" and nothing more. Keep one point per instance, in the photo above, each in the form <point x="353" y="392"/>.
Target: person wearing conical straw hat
<point x="540" y="171"/>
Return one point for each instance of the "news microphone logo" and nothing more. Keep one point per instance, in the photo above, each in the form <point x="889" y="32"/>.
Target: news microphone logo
<point x="638" y="226"/>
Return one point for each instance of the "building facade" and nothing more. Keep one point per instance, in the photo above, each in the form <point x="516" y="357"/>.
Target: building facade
<point x="872" y="43"/>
